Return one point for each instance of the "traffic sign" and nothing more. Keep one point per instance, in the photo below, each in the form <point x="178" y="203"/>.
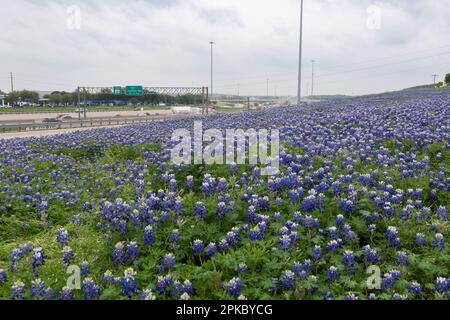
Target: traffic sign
<point x="117" y="90"/>
<point x="134" y="90"/>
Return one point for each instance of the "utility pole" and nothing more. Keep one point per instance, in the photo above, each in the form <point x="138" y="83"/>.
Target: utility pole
<point x="267" y="87"/>
<point x="212" y="91"/>
<point x="434" y="77"/>
<point x="12" y="82"/>
<point x="312" y="79"/>
<point x="299" y="92"/>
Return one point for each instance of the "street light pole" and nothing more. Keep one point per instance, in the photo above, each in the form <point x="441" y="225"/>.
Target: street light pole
<point x="212" y="45"/>
<point x="312" y="79"/>
<point x="299" y="92"/>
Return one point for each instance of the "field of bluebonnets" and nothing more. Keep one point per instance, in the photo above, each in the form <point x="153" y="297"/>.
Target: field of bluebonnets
<point x="364" y="182"/>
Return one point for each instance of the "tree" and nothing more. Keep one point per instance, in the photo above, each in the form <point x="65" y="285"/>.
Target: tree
<point x="29" y="96"/>
<point x="67" y="98"/>
<point x="55" y="98"/>
<point x="134" y="101"/>
<point x="13" y="97"/>
<point x="447" y="79"/>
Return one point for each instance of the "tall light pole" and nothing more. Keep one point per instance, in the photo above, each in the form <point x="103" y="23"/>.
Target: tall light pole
<point x="212" y="45"/>
<point x="312" y="79"/>
<point x="299" y="92"/>
<point x="434" y="77"/>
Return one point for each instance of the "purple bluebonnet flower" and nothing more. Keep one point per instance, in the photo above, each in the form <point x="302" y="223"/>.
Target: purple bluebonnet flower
<point x="371" y="255"/>
<point x="415" y="288"/>
<point x="223" y="245"/>
<point x="309" y="203"/>
<point x="133" y="252"/>
<point x="234" y="287"/>
<point x="288" y="280"/>
<point x="402" y="258"/>
<point x="232" y="239"/>
<point x="198" y="247"/>
<point x="211" y="250"/>
<point x="421" y="240"/>
<point x="340" y="220"/>
<point x="169" y="261"/>
<point x="68" y="256"/>
<point x="317" y="253"/>
<point x="242" y="268"/>
<point x="332" y="274"/>
<point x="164" y="284"/>
<point x="333" y="246"/>
<point x="3" y="277"/>
<point x="85" y="269"/>
<point x="200" y="211"/>
<point x="392" y="236"/>
<point x="66" y="294"/>
<point x="285" y="243"/>
<point x="91" y="290"/>
<point x="119" y="256"/>
<point x="188" y="287"/>
<point x="351" y="297"/>
<point x="129" y="283"/>
<point x="347" y="206"/>
<point x="372" y="228"/>
<point x="149" y="236"/>
<point x="442" y="285"/>
<point x="37" y="289"/>
<point x="222" y="185"/>
<point x="108" y="277"/>
<point x="63" y="237"/>
<point x="148" y="295"/>
<point x="441" y="213"/>
<point x="221" y="210"/>
<point x="372" y="297"/>
<point x="173" y="185"/>
<point x="328" y="296"/>
<point x="175" y="237"/>
<point x="390" y="279"/>
<point x="439" y="241"/>
<point x="19" y="253"/>
<point x="18" y="291"/>
<point x="348" y="259"/>
<point x="38" y="259"/>
<point x="189" y="184"/>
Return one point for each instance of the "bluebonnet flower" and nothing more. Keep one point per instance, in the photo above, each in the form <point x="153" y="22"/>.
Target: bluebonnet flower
<point x="19" y="253"/>
<point x="328" y="296"/>
<point x="37" y="288"/>
<point x="399" y="297"/>
<point x="148" y="295"/>
<point x="390" y="279"/>
<point x="348" y="259"/>
<point x="332" y="274"/>
<point x="333" y="246"/>
<point x="223" y="245"/>
<point x="221" y="210"/>
<point x="91" y="290"/>
<point x="119" y="256"/>
<point x="340" y="220"/>
<point x="347" y="206"/>
<point x="372" y="297"/>
<point x="402" y="258"/>
<point x="439" y="242"/>
<point x="18" y="291"/>
<point x="200" y="211"/>
<point x="85" y="269"/>
<point x="38" y="259"/>
<point x="421" y="240"/>
<point x="415" y="288"/>
<point x="173" y="185"/>
<point x="198" y="247"/>
<point x="211" y="250"/>
<point x="442" y="285"/>
<point x="222" y="185"/>
<point x="277" y="216"/>
<point x="63" y="237"/>
<point x="288" y="279"/>
<point x="189" y="184"/>
<point x="234" y="287"/>
<point x="285" y="243"/>
<point x="169" y="261"/>
<point x="232" y="239"/>
<point x="441" y="213"/>
<point x="164" y="284"/>
<point x="175" y="237"/>
<point x="372" y="228"/>
<point x="371" y="255"/>
<point x="129" y="283"/>
<point x="317" y="253"/>
<point x="149" y="236"/>
<point x="188" y="288"/>
<point x="133" y="252"/>
<point x="392" y="236"/>
<point x="3" y="277"/>
<point x="108" y="277"/>
<point x="66" y="294"/>
<point x="351" y="297"/>
<point x="68" y="256"/>
<point x="242" y="268"/>
<point x="309" y="203"/>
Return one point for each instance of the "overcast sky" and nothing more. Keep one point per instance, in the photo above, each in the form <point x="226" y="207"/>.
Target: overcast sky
<point x="361" y="46"/>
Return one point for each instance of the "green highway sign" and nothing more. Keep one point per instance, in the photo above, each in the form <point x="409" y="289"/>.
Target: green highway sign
<point x="134" y="90"/>
<point x="118" y="90"/>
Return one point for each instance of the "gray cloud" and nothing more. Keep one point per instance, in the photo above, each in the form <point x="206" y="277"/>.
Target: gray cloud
<point x="165" y="42"/>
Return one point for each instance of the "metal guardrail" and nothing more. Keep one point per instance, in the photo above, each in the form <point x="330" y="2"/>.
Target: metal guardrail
<point x="90" y="123"/>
